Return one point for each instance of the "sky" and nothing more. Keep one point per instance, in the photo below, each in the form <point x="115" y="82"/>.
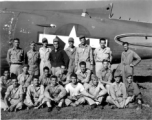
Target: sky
<point x="137" y="10"/>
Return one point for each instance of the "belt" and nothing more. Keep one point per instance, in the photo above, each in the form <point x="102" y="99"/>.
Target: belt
<point x="17" y="63"/>
<point x="98" y="61"/>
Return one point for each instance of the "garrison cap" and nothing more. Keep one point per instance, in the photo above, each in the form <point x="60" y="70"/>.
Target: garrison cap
<point x="25" y="65"/>
<point x="55" y="39"/>
<point x="117" y="74"/>
<point x="32" y="43"/>
<point x="129" y="75"/>
<point x="71" y="39"/>
<point x="81" y="36"/>
<point x="44" y="40"/>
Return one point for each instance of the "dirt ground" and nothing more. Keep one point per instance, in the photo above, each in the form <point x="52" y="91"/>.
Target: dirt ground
<point x="143" y="74"/>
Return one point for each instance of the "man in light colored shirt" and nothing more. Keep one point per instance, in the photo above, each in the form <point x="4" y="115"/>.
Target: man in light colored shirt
<point x="5" y="82"/>
<point x="83" y="74"/>
<point x="24" y="79"/>
<point x="74" y="90"/>
<point x="14" y="96"/>
<point x="63" y="76"/>
<point x="32" y="58"/>
<point x="106" y="75"/>
<point x="84" y="53"/>
<point x="100" y="54"/>
<point x="71" y="51"/>
<point x="15" y="57"/>
<point x="45" y="79"/>
<point x="44" y="56"/>
<point x="34" y="94"/>
<point x="117" y="92"/>
<point x="129" y="59"/>
<point x="95" y="92"/>
<point x="54" y="94"/>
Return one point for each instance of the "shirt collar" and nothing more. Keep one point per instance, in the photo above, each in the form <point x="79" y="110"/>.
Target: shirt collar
<point x="86" y="45"/>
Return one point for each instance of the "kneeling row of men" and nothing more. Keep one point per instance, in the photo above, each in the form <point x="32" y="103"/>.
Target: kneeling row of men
<point x="79" y="89"/>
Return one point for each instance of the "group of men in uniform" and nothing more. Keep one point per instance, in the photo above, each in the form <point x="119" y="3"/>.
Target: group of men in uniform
<point x="57" y="77"/>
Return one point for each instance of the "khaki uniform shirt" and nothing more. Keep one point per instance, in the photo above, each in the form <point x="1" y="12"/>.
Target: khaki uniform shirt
<point x="56" y="91"/>
<point x="118" y="91"/>
<point x="35" y="93"/>
<point x="62" y="77"/>
<point x="83" y="54"/>
<point x="106" y="75"/>
<point x="15" y="55"/>
<point x="132" y="89"/>
<point x="101" y="54"/>
<point x="45" y="81"/>
<point x="71" y="55"/>
<point x="5" y="82"/>
<point x="33" y="60"/>
<point x="24" y="79"/>
<point x="95" y="90"/>
<point x="14" y="93"/>
<point x="83" y="77"/>
<point x="127" y="58"/>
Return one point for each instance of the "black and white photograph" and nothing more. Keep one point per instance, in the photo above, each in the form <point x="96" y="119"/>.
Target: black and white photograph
<point x="80" y="59"/>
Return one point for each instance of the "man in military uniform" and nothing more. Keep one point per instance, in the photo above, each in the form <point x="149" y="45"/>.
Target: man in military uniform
<point x="134" y="94"/>
<point x="117" y="92"/>
<point x="14" y="96"/>
<point x="100" y="54"/>
<point x="5" y="82"/>
<point x="15" y="57"/>
<point x="54" y="94"/>
<point x="32" y="59"/>
<point x="45" y="79"/>
<point x="83" y="74"/>
<point x="129" y="59"/>
<point x="84" y="53"/>
<point x="35" y="94"/>
<point x="63" y="76"/>
<point x="106" y="75"/>
<point x="24" y="79"/>
<point x="71" y="51"/>
<point x="95" y="92"/>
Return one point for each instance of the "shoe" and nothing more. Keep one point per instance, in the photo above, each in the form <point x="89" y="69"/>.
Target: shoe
<point x="93" y="106"/>
<point x="139" y="107"/>
<point x="58" y="108"/>
<point x="132" y="105"/>
<point x="113" y="107"/>
<point x="49" y="109"/>
<point x="101" y="107"/>
<point x="30" y="107"/>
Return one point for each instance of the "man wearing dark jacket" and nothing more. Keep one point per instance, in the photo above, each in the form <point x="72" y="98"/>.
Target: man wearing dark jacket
<point x="58" y="57"/>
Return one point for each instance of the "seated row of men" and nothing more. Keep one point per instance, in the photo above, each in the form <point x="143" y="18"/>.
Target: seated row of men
<point x="62" y="89"/>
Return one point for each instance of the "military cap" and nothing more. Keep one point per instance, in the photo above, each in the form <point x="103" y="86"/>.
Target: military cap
<point x="25" y="65"/>
<point x="129" y="75"/>
<point x="81" y="36"/>
<point x="71" y="39"/>
<point x="55" y="39"/>
<point x="44" y="40"/>
<point x="117" y="74"/>
<point x="32" y="43"/>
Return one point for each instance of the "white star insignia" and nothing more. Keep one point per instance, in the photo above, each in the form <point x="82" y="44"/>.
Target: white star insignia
<point x="93" y="41"/>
